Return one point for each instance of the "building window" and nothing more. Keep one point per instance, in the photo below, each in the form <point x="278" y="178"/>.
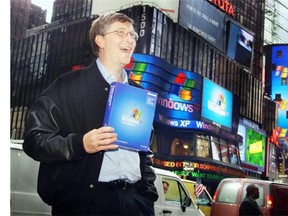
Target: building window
<point x="224" y="151"/>
<point x="233" y="154"/>
<point x="182" y="146"/>
<point x="203" y="146"/>
<point x="215" y="148"/>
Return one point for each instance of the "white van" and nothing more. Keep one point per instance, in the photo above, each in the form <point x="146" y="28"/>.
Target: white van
<point x="26" y="201"/>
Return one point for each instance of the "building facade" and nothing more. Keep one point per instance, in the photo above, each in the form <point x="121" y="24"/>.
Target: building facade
<point x="24" y="15"/>
<point x="276" y="58"/>
<point x="275" y="31"/>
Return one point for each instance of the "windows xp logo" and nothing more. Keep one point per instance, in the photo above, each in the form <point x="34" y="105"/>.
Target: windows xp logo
<point x="221" y="101"/>
<point x="136" y="114"/>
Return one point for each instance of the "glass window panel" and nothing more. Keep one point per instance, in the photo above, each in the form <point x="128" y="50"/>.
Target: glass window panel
<point x="233" y="154"/>
<point x="182" y="146"/>
<point x="228" y="193"/>
<point x="172" y="195"/>
<point x="203" y="147"/>
<point x="224" y="151"/>
<point x="215" y="148"/>
<point x="261" y="199"/>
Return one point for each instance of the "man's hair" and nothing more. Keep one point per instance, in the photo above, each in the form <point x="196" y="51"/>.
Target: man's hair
<point x="165" y="182"/>
<point x="250" y="189"/>
<point x="102" y="23"/>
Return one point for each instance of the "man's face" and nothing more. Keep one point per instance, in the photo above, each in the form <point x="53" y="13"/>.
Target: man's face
<point x="118" y="48"/>
<point x="255" y="194"/>
<point x="165" y="187"/>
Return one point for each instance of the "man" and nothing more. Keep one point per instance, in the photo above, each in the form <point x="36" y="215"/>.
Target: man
<point x="81" y="171"/>
<point x="165" y="186"/>
<point x="249" y="206"/>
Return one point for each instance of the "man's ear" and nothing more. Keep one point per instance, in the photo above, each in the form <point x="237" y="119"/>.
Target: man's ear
<point x="99" y="40"/>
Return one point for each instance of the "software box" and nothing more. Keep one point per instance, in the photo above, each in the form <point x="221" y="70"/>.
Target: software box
<point x="130" y="111"/>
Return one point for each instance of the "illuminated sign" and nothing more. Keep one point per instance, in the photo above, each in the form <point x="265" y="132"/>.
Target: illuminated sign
<point x="252" y="149"/>
<point x="224" y="6"/>
<point x="179" y="91"/>
<point x="206" y="176"/>
<point x="204" y="19"/>
<point x="256" y="147"/>
<point x="202" y="167"/>
<point x="176" y="105"/>
<point x="180" y="95"/>
<point x="239" y="44"/>
<point x="216" y="104"/>
<point x="279" y="87"/>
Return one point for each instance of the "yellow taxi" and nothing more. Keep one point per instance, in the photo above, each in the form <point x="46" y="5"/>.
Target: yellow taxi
<point x="204" y="201"/>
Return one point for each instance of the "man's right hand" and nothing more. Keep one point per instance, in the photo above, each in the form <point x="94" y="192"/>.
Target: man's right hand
<point x="100" y="139"/>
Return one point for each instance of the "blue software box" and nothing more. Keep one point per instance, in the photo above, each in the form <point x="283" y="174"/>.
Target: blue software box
<point x="130" y="111"/>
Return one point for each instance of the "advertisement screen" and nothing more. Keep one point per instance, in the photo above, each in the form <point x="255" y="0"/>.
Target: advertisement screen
<point x="252" y="149"/>
<point x="204" y="19"/>
<point x="240" y="44"/>
<point x="179" y="91"/>
<point x="216" y="105"/>
<point x="255" y="149"/>
<point x="279" y="86"/>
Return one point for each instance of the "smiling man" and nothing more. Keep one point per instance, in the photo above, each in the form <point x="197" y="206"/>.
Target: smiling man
<point x="82" y="171"/>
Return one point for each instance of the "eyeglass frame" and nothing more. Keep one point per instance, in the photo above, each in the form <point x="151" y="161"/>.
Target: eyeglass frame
<point x="133" y="34"/>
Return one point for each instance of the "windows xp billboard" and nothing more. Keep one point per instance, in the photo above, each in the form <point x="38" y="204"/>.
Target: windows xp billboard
<point x="216" y="105"/>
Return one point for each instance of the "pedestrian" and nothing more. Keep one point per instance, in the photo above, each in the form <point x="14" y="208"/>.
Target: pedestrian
<point x="81" y="171"/>
<point x="249" y="206"/>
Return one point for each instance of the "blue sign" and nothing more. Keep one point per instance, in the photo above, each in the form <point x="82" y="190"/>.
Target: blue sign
<point x="216" y="104"/>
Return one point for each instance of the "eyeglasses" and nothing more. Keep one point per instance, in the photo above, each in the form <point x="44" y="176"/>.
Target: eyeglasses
<point x="122" y="32"/>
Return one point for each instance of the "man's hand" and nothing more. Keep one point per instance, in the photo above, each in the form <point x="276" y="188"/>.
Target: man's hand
<point x="100" y="139"/>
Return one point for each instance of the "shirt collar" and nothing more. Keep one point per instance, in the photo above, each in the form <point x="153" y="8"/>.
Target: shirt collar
<point x="107" y="76"/>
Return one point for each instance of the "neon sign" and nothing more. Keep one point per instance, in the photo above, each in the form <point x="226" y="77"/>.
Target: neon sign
<point x="207" y="176"/>
<point x="223" y="5"/>
<point x="180" y="165"/>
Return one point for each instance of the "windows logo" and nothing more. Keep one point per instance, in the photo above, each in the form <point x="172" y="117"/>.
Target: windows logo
<point x="221" y="101"/>
<point x="136" y="114"/>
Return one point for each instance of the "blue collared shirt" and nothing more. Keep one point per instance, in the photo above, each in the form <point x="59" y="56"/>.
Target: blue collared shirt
<point x="121" y="163"/>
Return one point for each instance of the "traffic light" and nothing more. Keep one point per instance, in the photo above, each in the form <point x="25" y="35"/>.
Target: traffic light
<point x="280" y="168"/>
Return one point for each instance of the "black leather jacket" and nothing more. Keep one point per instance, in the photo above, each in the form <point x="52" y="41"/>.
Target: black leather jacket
<point x="73" y="105"/>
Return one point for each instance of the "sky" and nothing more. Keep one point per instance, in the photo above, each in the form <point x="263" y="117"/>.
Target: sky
<point x="45" y="4"/>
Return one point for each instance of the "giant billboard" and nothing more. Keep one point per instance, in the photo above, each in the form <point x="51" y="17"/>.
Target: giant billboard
<point x="279" y="85"/>
<point x="279" y="91"/>
<point x="239" y="44"/>
<point x="204" y="19"/>
<point x="170" y="8"/>
<point x="216" y="105"/>
<point x="252" y="149"/>
<point x="179" y="91"/>
<point x="180" y="96"/>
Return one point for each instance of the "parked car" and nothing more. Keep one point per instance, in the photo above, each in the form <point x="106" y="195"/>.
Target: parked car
<point x="204" y="201"/>
<point x="231" y="191"/>
<point x="25" y="200"/>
